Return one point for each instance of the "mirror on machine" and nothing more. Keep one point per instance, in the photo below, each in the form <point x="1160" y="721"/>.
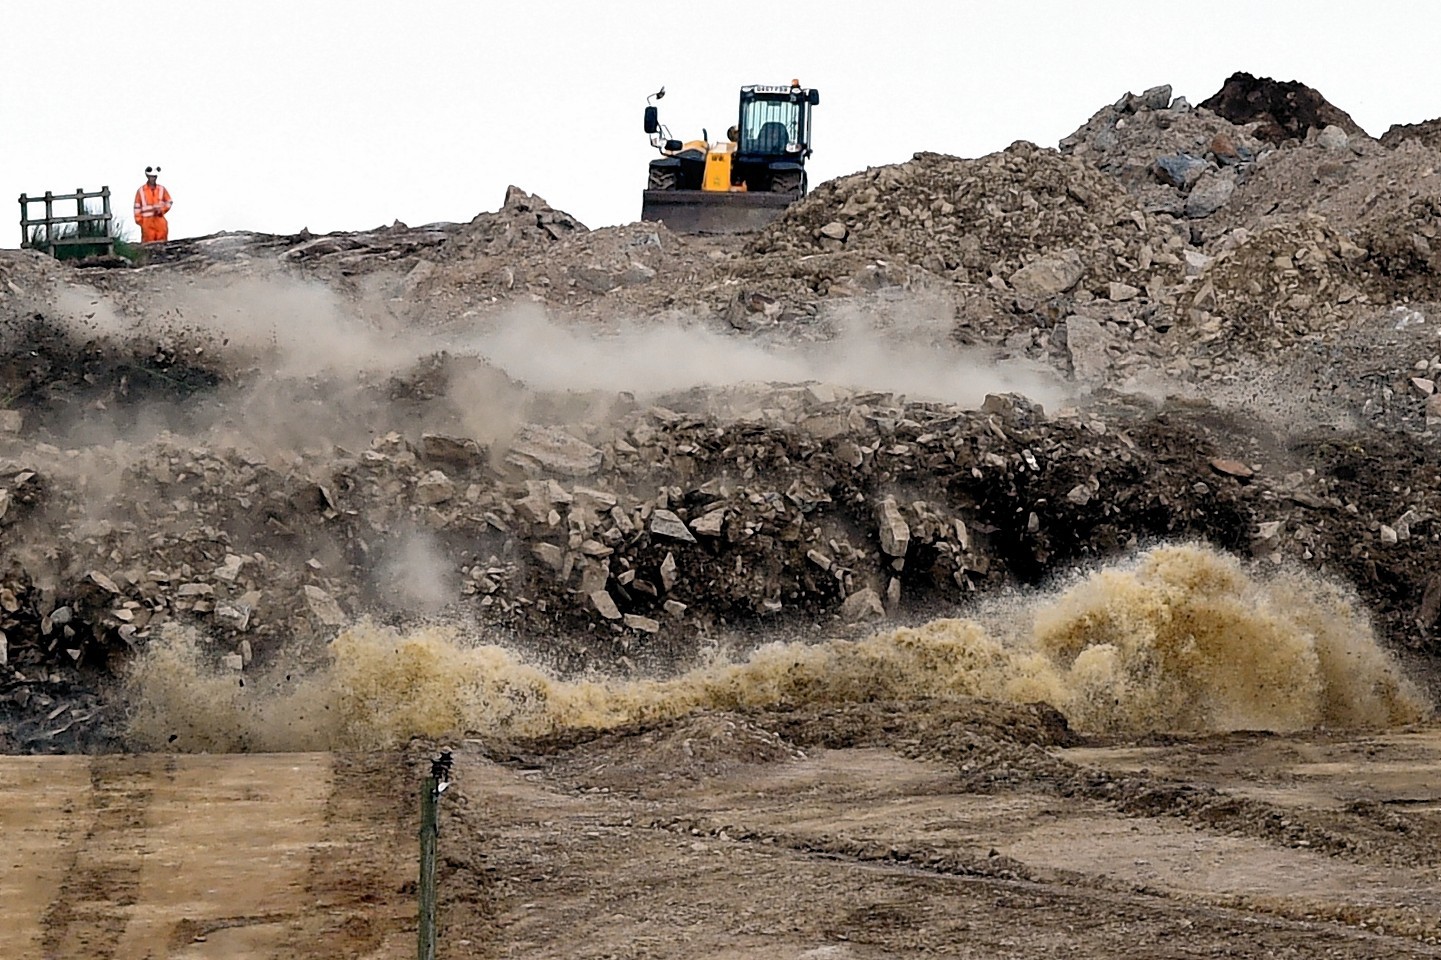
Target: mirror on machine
<point x="652" y="119"/>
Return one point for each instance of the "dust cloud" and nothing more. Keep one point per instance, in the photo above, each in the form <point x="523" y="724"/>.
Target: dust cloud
<point x="908" y="354"/>
<point x="301" y="367"/>
<point x="1181" y="639"/>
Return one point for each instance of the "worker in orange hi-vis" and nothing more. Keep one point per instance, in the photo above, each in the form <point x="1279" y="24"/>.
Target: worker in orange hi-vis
<point x="152" y="202"/>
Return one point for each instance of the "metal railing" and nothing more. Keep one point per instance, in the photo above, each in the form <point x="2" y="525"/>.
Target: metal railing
<point x="48" y="232"/>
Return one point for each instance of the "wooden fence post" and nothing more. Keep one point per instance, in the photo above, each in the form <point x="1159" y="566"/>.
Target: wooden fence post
<point x="429" y="830"/>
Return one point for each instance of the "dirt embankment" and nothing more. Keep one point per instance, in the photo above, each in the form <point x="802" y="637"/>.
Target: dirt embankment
<point x="926" y="386"/>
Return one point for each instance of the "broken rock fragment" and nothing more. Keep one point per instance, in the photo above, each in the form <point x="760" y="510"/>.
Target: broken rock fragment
<point x="664" y="523"/>
<point x="455" y="451"/>
<point x="641" y="624"/>
<point x="1048" y="276"/>
<point x="864" y="604"/>
<point x="550" y="449"/>
<point x="433" y="488"/>
<point x="323" y="606"/>
<point x="605" y="605"/>
<point x="895" y="533"/>
<point x="709" y="524"/>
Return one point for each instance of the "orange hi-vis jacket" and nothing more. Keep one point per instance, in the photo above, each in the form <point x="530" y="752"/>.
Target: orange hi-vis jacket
<point x="151" y="205"/>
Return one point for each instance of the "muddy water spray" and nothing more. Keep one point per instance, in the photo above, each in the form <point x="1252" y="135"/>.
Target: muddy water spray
<point x="1181" y="639"/>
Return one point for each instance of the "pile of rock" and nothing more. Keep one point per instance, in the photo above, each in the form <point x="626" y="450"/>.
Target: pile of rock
<point x="1025" y="219"/>
<point x="1174" y="158"/>
<point x="1268" y="290"/>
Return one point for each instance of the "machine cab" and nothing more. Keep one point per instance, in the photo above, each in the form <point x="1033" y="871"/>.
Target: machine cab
<point x="775" y="123"/>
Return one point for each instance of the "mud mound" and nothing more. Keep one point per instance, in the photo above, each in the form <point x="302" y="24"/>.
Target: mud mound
<point x="698" y="747"/>
<point x="1283" y="110"/>
<point x="926" y="728"/>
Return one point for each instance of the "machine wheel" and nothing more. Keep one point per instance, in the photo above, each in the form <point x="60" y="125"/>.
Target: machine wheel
<point x="788" y="182"/>
<point x="662" y="178"/>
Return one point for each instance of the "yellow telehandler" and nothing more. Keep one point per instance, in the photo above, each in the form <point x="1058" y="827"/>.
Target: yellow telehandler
<point x="740" y="184"/>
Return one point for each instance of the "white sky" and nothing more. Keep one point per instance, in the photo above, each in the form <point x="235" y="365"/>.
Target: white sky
<point x="274" y="115"/>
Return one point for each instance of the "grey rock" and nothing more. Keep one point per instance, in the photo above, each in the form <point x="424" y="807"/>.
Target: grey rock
<point x="664" y="523"/>
<point x="230" y="569"/>
<point x="604" y="605"/>
<point x="549" y="554"/>
<point x="102" y="581"/>
<point x="594" y="575"/>
<point x="641" y="624"/>
<point x="709" y="524"/>
<point x="594" y="279"/>
<point x="1179" y="170"/>
<point x="1332" y="138"/>
<point x="1155" y="98"/>
<point x="552" y="449"/>
<point x="323" y="606"/>
<point x="895" y="533"/>
<point x="1086" y="341"/>
<point x="863" y="605"/>
<point x="1048" y="276"/>
<point x="1196" y="262"/>
<point x="416" y="278"/>
<point x="234" y="615"/>
<point x="435" y="487"/>
<point x="1210" y="193"/>
<point x="636" y="274"/>
<point x="456" y="451"/>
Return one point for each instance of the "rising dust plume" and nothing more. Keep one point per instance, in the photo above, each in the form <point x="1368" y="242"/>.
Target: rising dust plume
<point x="1182" y="639"/>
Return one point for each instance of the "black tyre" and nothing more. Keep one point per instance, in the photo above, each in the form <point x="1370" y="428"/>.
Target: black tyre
<point x="789" y="181"/>
<point x="662" y="178"/>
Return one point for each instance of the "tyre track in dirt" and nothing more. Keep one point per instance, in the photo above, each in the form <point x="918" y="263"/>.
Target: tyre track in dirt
<point x="92" y="904"/>
<point x="356" y="878"/>
<point x="206" y="857"/>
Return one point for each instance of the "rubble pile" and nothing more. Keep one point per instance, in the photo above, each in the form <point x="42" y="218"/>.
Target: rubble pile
<point x="1175" y="158"/>
<point x="1402" y="245"/>
<point x="1428" y="132"/>
<point x="640" y="535"/>
<point x="1270" y="289"/>
<point x="1025" y="219"/>
<point x="1240" y="301"/>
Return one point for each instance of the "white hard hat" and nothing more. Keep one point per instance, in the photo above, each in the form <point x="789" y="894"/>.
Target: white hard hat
<point x="152" y="171"/>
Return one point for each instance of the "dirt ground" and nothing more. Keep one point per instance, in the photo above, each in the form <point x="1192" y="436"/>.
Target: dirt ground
<point x="718" y="837"/>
